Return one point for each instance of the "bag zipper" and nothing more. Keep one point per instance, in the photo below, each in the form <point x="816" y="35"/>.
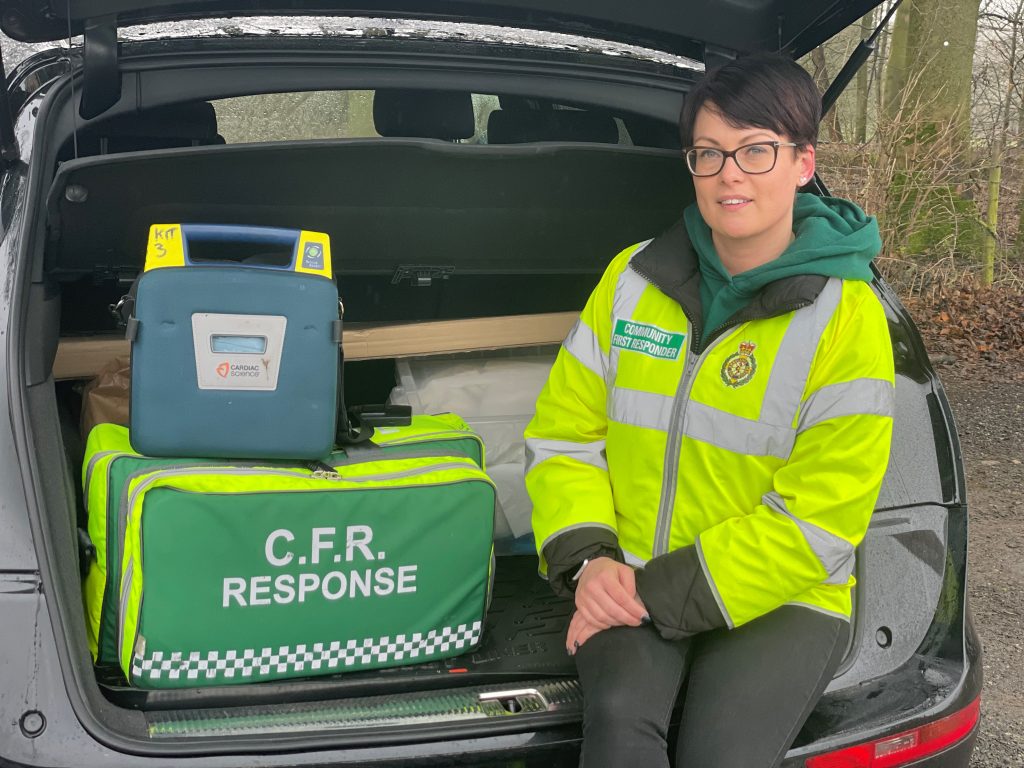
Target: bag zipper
<point x="93" y="461"/>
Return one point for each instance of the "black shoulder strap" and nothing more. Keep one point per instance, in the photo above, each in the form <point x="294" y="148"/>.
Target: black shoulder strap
<point x="350" y="430"/>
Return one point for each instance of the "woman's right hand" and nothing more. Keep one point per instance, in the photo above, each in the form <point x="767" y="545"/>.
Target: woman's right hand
<point x="606" y="595"/>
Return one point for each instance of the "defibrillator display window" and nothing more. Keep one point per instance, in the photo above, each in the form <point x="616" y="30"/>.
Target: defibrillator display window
<point x="238" y="345"/>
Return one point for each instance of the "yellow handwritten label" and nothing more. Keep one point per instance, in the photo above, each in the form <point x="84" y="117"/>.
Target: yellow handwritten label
<point x="165" y="248"/>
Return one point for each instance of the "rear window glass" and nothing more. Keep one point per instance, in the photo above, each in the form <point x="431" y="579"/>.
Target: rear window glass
<point x="350" y="114"/>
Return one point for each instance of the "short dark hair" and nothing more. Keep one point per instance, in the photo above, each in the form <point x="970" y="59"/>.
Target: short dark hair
<point x="763" y="90"/>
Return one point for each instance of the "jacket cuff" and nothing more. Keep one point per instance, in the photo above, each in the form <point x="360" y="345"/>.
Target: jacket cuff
<point x="677" y="595"/>
<point x="565" y="553"/>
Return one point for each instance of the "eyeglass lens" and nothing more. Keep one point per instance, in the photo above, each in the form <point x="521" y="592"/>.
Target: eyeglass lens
<point x="753" y="158"/>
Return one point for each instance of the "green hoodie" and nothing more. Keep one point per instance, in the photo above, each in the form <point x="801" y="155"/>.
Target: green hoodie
<point x="833" y="237"/>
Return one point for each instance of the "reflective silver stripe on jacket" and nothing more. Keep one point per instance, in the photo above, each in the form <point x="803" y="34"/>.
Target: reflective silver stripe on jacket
<point x="575" y="527"/>
<point x="737" y="434"/>
<point x="582" y="344"/>
<point x="860" y="397"/>
<point x="711" y="583"/>
<point x="835" y="553"/>
<point x="770" y="435"/>
<point x="640" y="409"/>
<point x="628" y="290"/>
<point x="539" y="450"/>
<point x="634" y="560"/>
<point x="796" y="354"/>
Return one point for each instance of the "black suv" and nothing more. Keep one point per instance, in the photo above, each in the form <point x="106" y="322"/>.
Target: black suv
<point x="472" y="162"/>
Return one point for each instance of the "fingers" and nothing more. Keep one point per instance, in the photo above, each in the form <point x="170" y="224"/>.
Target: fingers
<point x="606" y="603"/>
<point x="624" y="593"/>
<point x="580" y="630"/>
<point x="607" y="595"/>
<point x="587" y="632"/>
<point x="640" y="602"/>
<point x="572" y="637"/>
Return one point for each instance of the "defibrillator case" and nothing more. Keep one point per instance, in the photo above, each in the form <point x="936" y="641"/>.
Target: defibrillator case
<point x="379" y="556"/>
<point x="232" y="355"/>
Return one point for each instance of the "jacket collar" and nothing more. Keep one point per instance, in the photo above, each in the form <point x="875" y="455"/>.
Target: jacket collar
<point x="670" y="263"/>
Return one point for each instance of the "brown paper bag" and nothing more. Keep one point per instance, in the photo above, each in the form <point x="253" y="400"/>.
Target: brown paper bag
<point x="105" y="398"/>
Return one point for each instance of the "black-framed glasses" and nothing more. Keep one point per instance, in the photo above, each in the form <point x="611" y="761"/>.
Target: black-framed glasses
<point x="759" y="157"/>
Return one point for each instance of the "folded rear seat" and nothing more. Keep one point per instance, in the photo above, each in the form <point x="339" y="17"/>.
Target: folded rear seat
<point x="515" y="126"/>
<point x="189" y="124"/>
<point x="426" y="114"/>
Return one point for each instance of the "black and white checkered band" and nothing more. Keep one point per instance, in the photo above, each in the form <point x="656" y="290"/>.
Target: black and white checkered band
<point x="336" y="655"/>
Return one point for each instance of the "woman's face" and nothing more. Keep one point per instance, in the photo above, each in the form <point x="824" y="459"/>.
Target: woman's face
<point x="745" y="209"/>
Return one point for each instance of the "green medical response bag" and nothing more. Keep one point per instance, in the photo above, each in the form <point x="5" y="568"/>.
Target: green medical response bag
<point x="265" y="570"/>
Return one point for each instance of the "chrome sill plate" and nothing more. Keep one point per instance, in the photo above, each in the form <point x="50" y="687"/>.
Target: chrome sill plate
<point x="448" y="706"/>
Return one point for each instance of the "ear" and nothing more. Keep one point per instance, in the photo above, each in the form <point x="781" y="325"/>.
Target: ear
<point x="805" y="161"/>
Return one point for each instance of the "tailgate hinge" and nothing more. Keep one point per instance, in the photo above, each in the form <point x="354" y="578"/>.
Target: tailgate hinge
<point x="860" y="54"/>
<point x="101" y="86"/>
<point x="9" y="152"/>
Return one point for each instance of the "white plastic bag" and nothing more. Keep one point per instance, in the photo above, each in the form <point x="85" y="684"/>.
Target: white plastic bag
<point x="495" y="394"/>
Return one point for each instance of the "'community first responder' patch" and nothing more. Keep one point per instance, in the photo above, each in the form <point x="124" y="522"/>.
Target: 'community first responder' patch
<point x="647" y="339"/>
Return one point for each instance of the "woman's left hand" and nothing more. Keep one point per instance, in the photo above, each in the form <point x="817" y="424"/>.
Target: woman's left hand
<point x="580" y="630"/>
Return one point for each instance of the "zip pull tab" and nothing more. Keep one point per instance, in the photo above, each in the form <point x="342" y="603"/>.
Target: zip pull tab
<point x="323" y="471"/>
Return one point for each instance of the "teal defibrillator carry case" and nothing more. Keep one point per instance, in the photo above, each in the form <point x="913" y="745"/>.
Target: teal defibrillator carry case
<point x="235" y="359"/>
<point x="213" y="573"/>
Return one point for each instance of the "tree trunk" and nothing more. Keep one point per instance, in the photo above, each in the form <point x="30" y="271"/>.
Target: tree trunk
<point x="939" y="59"/>
<point x="896" y="66"/>
<point x="861" y="117"/>
<point x="995" y="175"/>
<point x="821" y="79"/>
<point x="926" y="127"/>
<point x="877" y="62"/>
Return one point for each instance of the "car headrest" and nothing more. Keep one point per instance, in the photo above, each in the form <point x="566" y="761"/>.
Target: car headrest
<point x="508" y="126"/>
<point x="446" y="115"/>
<point x="175" y="125"/>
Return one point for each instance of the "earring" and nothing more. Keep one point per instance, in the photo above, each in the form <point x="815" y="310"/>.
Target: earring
<point x="803" y="180"/>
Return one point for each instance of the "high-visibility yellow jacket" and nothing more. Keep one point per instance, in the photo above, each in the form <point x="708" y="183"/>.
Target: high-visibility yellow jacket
<point x="740" y="465"/>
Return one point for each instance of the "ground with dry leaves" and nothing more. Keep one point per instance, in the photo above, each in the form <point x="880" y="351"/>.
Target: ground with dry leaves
<point x="976" y="337"/>
<point x="974" y="329"/>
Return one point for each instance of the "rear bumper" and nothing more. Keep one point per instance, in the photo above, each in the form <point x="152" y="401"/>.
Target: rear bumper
<point x="34" y="671"/>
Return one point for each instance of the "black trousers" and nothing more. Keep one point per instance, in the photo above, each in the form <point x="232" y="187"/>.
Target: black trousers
<point x="747" y="693"/>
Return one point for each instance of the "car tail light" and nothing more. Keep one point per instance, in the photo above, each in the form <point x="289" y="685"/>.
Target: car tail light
<point x="906" y="747"/>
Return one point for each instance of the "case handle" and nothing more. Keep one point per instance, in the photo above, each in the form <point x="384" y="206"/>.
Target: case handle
<point x="169" y="246"/>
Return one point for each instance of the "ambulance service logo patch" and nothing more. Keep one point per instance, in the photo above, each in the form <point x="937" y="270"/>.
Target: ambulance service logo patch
<point x="740" y="367"/>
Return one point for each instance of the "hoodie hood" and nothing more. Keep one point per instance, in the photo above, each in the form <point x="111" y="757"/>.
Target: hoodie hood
<point x="834" y="238"/>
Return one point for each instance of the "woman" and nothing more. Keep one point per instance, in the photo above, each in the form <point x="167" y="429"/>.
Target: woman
<point x="711" y="442"/>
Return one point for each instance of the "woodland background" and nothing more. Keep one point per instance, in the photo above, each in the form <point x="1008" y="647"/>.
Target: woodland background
<point x="929" y="137"/>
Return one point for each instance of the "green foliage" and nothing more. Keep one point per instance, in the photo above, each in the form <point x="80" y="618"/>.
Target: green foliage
<point x="930" y="219"/>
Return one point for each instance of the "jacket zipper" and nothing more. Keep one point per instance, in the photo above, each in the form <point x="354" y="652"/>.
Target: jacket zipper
<point x="739" y="320"/>
<point x="670" y="473"/>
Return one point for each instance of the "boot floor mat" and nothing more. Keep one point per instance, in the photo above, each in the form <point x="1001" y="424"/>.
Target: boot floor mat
<point x="523" y="638"/>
